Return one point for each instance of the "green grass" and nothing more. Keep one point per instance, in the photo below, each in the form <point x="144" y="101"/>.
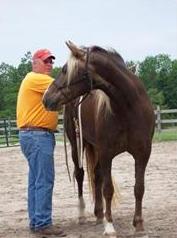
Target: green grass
<point x="165" y="135"/>
<point x="13" y="140"/>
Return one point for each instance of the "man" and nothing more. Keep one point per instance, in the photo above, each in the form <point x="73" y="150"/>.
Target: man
<point x="36" y="133"/>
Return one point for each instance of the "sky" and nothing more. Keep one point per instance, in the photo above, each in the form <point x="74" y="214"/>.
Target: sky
<point x="134" y="28"/>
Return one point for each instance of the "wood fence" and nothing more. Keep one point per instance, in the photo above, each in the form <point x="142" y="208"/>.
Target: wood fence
<point x="9" y="132"/>
<point x="165" y="118"/>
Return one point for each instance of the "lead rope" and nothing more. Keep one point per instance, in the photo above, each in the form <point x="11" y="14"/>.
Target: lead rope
<point x="80" y="133"/>
<point x="79" y="136"/>
<point x="65" y="146"/>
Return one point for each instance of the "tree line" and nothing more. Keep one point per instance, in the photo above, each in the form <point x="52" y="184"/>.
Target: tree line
<point x="158" y="73"/>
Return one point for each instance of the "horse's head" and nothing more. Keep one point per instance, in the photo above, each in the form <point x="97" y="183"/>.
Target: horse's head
<point x="73" y="80"/>
<point x="83" y="72"/>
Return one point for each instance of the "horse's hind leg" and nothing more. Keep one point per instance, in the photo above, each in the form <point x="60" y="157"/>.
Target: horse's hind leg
<point x="95" y="180"/>
<point x="141" y="161"/>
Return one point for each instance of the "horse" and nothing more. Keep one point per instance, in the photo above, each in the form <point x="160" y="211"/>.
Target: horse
<point x="116" y="116"/>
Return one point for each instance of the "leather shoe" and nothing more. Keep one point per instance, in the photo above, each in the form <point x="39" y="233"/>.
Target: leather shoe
<point x="51" y="230"/>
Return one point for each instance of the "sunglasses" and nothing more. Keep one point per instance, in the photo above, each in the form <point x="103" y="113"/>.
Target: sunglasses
<point x="48" y="61"/>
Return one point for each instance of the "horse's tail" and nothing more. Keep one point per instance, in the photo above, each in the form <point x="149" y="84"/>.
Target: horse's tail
<point x="91" y="160"/>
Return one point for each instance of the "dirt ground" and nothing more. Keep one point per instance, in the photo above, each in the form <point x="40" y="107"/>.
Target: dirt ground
<point x="159" y="206"/>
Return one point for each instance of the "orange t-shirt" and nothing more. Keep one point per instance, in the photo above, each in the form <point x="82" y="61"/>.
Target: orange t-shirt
<point x="30" y="110"/>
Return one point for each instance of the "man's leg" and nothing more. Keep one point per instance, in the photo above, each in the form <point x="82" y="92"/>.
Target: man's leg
<point x="28" y="149"/>
<point x="44" y="179"/>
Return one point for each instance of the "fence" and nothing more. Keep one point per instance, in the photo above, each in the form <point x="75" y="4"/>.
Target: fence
<point x="9" y="132"/>
<point x="165" y="118"/>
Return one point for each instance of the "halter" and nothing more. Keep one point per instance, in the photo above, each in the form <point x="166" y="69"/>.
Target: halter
<point x="85" y="77"/>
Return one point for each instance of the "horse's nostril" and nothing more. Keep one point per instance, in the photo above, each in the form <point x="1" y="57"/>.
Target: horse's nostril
<point x="50" y="105"/>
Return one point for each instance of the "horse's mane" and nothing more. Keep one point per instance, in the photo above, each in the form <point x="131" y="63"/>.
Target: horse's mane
<point x="110" y="53"/>
<point x="72" y="67"/>
<point x="127" y="80"/>
<point x="103" y="102"/>
<point x="111" y="57"/>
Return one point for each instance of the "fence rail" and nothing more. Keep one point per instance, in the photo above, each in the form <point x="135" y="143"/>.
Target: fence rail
<point x="165" y="118"/>
<point x="9" y="131"/>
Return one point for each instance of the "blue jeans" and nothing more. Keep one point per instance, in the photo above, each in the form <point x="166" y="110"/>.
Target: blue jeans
<point x="38" y="148"/>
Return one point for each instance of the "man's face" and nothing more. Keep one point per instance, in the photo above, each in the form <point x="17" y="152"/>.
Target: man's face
<point x="43" y="66"/>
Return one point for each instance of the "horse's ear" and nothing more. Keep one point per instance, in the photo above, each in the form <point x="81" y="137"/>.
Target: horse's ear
<point x="76" y="51"/>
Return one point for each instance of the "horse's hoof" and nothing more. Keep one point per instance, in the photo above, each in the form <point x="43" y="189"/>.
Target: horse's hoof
<point x="111" y="235"/>
<point x="140" y="234"/>
<point x="109" y="230"/>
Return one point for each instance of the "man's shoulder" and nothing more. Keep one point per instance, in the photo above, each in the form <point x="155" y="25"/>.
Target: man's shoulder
<point x="36" y="76"/>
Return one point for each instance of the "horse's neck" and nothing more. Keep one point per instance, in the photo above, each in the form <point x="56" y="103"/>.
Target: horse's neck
<point x="119" y="84"/>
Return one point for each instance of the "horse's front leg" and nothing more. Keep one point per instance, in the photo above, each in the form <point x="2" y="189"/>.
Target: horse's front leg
<point x="108" y="191"/>
<point x="79" y="175"/>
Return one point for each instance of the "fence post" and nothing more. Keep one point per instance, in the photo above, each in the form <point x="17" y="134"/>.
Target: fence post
<point x="158" y="119"/>
<point x="6" y="133"/>
<point x="9" y="127"/>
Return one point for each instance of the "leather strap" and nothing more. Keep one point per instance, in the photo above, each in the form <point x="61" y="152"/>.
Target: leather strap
<point x="35" y="128"/>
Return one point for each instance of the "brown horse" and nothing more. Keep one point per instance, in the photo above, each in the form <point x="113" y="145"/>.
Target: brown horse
<point x="117" y="116"/>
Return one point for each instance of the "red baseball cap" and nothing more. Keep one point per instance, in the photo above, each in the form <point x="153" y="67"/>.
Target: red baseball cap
<point x="42" y="54"/>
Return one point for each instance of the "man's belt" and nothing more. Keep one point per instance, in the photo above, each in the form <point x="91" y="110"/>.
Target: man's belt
<point x="35" y="128"/>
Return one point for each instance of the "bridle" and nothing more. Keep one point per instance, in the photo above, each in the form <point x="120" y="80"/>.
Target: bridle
<point x="85" y="77"/>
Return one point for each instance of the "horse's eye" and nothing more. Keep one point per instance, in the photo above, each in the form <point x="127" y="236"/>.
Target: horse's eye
<point x="64" y="69"/>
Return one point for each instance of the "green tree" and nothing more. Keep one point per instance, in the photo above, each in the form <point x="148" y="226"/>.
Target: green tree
<point x="55" y="72"/>
<point x="10" y="80"/>
<point x="170" y="87"/>
<point x="132" y="65"/>
<point x="147" y="72"/>
<point x="158" y="74"/>
<point x="157" y="98"/>
<point x="7" y="85"/>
